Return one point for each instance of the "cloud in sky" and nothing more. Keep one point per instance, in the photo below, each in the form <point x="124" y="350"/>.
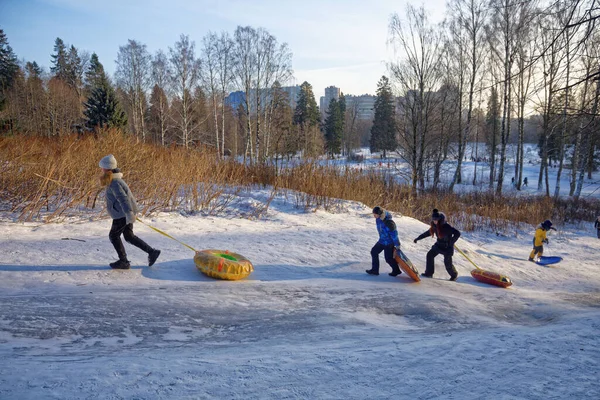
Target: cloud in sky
<point x="334" y="42"/>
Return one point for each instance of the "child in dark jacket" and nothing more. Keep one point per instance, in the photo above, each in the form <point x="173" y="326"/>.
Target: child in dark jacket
<point x="539" y="239"/>
<point x="388" y="240"/>
<point x="446" y="237"/>
<point x="121" y="206"/>
<point x="597" y="226"/>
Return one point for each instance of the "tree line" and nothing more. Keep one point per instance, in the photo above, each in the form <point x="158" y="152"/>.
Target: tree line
<point x="173" y="97"/>
<point x="492" y="69"/>
<point x="488" y="70"/>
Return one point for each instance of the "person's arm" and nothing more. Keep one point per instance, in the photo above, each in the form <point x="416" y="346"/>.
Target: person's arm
<point x="395" y="238"/>
<point x="424" y="235"/>
<point x="540" y="235"/>
<point x="124" y="201"/>
<point x="392" y="232"/>
<point x="454" y="237"/>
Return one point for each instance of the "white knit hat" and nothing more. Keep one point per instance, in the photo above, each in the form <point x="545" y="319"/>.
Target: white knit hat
<point x="108" y="162"/>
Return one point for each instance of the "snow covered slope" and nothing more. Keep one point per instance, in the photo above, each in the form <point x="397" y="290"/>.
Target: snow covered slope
<point x="309" y="323"/>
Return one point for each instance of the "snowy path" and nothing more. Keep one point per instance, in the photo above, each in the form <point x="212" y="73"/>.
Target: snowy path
<point x="307" y="324"/>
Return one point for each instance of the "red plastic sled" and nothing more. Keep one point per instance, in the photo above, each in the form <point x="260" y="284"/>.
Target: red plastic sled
<point x="491" y="278"/>
<point x="406" y="265"/>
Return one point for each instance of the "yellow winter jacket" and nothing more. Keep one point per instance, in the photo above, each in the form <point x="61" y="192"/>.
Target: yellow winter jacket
<point x="540" y="236"/>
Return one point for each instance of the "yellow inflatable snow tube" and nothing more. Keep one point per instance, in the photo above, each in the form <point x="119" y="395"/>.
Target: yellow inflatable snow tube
<point x="223" y="264"/>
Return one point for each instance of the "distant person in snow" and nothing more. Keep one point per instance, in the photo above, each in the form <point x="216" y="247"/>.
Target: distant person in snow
<point x="446" y="237"/>
<point x="388" y="240"/>
<point x="122" y="208"/>
<point x="525" y="181"/>
<point x="539" y="239"/>
<point x="597" y="226"/>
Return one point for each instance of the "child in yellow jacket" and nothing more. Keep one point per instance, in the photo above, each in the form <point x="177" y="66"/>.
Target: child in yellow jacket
<point x="539" y="239"/>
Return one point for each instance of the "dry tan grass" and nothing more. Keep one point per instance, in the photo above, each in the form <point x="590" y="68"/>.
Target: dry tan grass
<point x="58" y="177"/>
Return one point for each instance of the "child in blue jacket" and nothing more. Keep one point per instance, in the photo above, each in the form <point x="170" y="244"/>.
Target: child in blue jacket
<point x="388" y="240"/>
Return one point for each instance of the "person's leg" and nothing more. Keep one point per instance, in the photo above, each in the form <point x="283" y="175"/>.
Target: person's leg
<point x="388" y="252"/>
<point x="537" y="250"/>
<point x="378" y="248"/>
<point x="134" y="240"/>
<point x="117" y="228"/>
<point x="450" y="266"/>
<point x="429" y="266"/>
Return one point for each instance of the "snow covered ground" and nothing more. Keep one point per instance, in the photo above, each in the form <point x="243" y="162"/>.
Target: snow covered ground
<point x="309" y="323"/>
<point x="394" y="165"/>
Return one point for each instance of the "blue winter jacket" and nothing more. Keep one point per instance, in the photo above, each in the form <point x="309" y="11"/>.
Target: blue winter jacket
<point x="120" y="202"/>
<point x="388" y="234"/>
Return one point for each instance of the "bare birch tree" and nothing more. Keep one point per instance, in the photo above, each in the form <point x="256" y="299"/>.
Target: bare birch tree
<point x="470" y="17"/>
<point x="133" y="77"/>
<point x="159" y="98"/>
<point x="417" y="76"/>
<point x="185" y="69"/>
<point x="217" y="76"/>
<point x="245" y="65"/>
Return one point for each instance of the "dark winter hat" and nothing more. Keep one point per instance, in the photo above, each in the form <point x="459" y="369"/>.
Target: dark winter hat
<point x="108" y="162"/>
<point x="547" y="224"/>
<point x="378" y="210"/>
<point x="435" y="215"/>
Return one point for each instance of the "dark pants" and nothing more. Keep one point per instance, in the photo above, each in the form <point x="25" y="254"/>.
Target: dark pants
<point x="388" y="252"/>
<point x="447" y="252"/>
<point x="598" y="233"/>
<point x="120" y="226"/>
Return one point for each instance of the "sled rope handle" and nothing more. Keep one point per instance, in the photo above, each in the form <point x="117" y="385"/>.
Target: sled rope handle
<point x="167" y="235"/>
<point x="465" y="256"/>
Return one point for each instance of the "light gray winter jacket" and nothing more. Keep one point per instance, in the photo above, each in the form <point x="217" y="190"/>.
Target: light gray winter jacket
<point x="120" y="202"/>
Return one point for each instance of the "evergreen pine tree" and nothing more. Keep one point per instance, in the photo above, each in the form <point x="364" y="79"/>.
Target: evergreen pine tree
<point x="33" y="70"/>
<point x="93" y="74"/>
<point x="307" y="119"/>
<point x="306" y="112"/>
<point x="383" y="132"/>
<point x="103" y="108"/>
<point x="60" y="60"/>
<point x="342" y="110"/>
<point x="8" y="67"/>
<point x="334" y="125"/>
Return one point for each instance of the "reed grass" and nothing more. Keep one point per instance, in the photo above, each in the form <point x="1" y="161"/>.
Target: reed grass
<point x="49" y="179"/>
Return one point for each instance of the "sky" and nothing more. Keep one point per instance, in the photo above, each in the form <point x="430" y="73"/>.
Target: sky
<point x="308" y="323"/>
<point x="334" y="42"/>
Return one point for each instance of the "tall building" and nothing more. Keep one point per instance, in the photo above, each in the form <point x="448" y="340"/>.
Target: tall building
<point x="235" y="99"/>
<point x="293" y="92"/>
<point x="363" y="105"/>
<point x="331" y="93"/>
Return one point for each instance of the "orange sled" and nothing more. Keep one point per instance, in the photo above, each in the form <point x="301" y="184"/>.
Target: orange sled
<point x="406" y="265"/>
<point x="491" y="277"/>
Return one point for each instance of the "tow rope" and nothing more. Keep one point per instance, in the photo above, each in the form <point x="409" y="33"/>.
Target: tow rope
<point x="167" y="235"/>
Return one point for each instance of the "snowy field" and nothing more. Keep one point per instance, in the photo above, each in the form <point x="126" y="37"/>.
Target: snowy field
<point x="309" y="323"/>
<point x="394" y="165"/>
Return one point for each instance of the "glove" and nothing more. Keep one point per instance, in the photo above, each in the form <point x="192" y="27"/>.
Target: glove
<point x="545" y="241"/>
<point x="415" y="240"/>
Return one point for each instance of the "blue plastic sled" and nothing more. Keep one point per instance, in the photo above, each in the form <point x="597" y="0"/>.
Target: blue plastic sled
<point x="548" y="260"/>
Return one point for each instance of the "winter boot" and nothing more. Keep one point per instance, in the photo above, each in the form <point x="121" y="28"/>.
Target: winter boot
<point x="531" y="259"/>
<point x="426" y="275"/>
<point x="120" y="265"/>
<point x="152" y="256"/>
<point x="395" y="273"/>
<point x="372" y="272"/>
<point x="453" y="278"/>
